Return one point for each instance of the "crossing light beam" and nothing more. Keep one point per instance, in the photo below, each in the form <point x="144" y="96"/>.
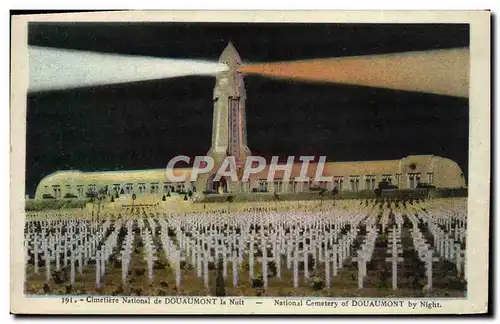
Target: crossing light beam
<point x="442" y="72"/>
<point x="53" y="69"/>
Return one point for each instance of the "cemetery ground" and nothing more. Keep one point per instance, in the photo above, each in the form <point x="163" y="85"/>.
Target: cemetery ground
<point x="309" y="252"/>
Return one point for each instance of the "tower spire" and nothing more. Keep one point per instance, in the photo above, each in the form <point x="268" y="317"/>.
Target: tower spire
<point x="230" y="57"/>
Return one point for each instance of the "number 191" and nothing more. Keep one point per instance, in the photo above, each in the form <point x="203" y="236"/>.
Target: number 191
<point x="67" y="300"/>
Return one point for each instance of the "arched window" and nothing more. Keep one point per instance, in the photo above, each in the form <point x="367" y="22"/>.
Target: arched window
<point x="354" y="182"/>
<point x="413" y="180"/>
<point x="338" y="182"/>
<point x="387" y="178"/>
<point x="370" y="182"/>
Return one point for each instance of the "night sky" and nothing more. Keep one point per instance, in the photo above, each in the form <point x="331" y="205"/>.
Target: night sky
<point x="144" y="124"/>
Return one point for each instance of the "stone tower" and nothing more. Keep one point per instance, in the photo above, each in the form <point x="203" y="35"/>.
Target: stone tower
<point x="229" y="134"/>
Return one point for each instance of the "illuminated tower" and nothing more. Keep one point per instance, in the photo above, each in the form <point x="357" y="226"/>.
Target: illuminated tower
<point x="229" y="134"/>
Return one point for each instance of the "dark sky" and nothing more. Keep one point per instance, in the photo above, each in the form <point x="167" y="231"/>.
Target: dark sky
<point x="144" y="124"/>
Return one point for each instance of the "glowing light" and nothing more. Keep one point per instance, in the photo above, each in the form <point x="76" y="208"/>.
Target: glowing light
<point x="444" y="72"/>
<point x="52" y="68"/>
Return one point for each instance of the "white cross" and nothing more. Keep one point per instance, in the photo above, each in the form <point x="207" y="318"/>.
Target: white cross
<point x="428" y="265"/>
<point x="235" y="269"/>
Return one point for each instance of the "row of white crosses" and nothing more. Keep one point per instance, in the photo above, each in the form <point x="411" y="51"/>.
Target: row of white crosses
<point x="96" y="254"/>
<point x="384" y="220"/>
<point x="275" y="239"/>
<point x="292" y="235"/>
<point x="37" y="235"/>
<point x="446" y="246"/>
<point x="103" y="255"/>
<point x="195" y="247"/>
<point x="395" y="247"/>
<point x="172" y="253"/>
<point x="398" y="219"/>
<point x="81" y="246"/>
<point x="75" y="239"/>
<point x="309" y="227"/>
<point x="149" y="249"/>
<point x="425" y="254"/>
<point x="126" y="250"/>
<point x="56" y="215"/>
<point x="443" y="241"/>
<point x="207" y="235"/>
<point x="448" y="242"/>
<point x="47" y="242"/>
<point x="394" y="251"/>
<point x="365" y="253"/>
<point x="342" y="250"/>
<point x="447" y="219"/>
<point x="39" y="240"/>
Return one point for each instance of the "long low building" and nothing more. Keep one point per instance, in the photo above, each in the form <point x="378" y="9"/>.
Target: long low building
<point x="406" y="173"/>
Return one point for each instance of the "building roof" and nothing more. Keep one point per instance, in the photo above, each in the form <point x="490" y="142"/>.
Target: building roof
<point x="116" y="176"/>
<point x="151" y="175"/>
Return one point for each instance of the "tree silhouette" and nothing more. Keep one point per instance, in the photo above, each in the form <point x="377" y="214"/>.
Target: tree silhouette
<point x="92" y="194"/>
<point x="335" y="193"/>
<point x="276" y="199"/>
<point x="101" y="195"/>
<point x="230" y="199"/>
<point x="321" y="195"/>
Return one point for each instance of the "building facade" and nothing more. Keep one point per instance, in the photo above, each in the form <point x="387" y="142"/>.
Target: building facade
<point x="406" y="173"/>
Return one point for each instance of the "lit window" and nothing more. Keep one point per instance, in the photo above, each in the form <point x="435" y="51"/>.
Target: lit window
<point x="414" y="180"/>
<point x="387" y="178"/>
<point x="338" y="182"/>
<point x="154" y="187"/>
<point x="168" y="187"/>
<point x="398" y="180"/>
<point x="370" y="182"/>
<point x="79" y="189"/>
<point x="128" y="188"/>
<point x="263" y="185"/>
<point x="278" y="185"/>
<point x="354" y="183"/>
<point x="57" y="191"/>
<point x="430" y="176"/>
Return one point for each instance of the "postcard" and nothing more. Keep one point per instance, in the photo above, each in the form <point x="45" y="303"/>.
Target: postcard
<point x="250" y="162"/>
